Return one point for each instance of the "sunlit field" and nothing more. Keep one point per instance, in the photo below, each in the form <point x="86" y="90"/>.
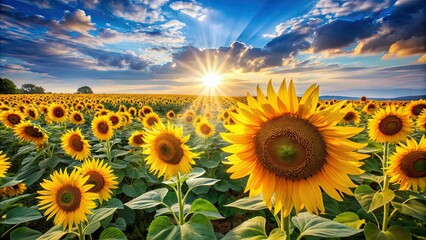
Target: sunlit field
<point x="276" y="165"/>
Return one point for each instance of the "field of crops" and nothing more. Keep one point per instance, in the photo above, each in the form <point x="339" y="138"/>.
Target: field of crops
<point x="270" y="166"/>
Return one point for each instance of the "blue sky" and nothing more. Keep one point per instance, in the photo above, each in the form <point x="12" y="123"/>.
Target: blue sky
<point x="352" y="48"/>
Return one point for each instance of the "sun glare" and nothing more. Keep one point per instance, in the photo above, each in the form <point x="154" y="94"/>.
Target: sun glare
<point x="211" y="80"/>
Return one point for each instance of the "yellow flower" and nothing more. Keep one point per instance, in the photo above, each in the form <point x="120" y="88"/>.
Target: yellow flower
<point x="66" y="197"/>
<point x="389" y="125"/>
<point x="115" y="119"/>
<point x="408" y="165"/>
<point x="29" y="133"/>
<point x="416" y="107"/>
<point x="31" y="113"/>
<point x="421" y="120"/>
<point x="11" y="118"/>
<point x="77" y="117"/>
<point x="136" y="139"/>
<point x="167" y="151"/>
<point x="101" y="176"/>
<point x="150" y="119"/>
<point x="75" y="145"/>
<point x="370" y="108"/>
<point x="352" y="116"/>
<point x="102" y="128"/>
<point x="12" y="191"/>
<point x="290" y="151"/>
<point x="4" y="164"/>
<point x="170" y="114"/>
<point x="204" y="129"/>
<point x="57" y="113"/>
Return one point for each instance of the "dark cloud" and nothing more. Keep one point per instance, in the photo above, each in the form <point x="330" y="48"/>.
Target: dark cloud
<point x="341" y="33"/>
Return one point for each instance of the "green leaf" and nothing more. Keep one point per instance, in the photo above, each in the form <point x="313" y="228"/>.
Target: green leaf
<point x="205" y="208"/>
<point x="197" y="182"/>
<point x="412" y="208"/>
<point x="372" y="177"/>
<point x="251" y="204"/>
<point x="198" y="227"/>
<point x="24" y="233"/>
<point x="137" y="188"/>
<point x="118" y="153"/>
<point x="350" y="219"/>
<point x="312" y="225"/>
<point x="195" y="173"/>
<point x="364" y="195"/>
<point x="277" y="234"/>
<point x="96" y="217"/>
<point x="113" y="203"/>
<point x="112" y="233"/>
<point x="175" y="209"/>
<point x="6" y="203"/>
<point x="20" y="215"/>
<point x="148" y="200"/>
<point x="394" y="232"/>
<point x="91" y="228"/>
<point x="252" y="229"/>
<point x="381" y="198"/>
<point x="55" y="233"/>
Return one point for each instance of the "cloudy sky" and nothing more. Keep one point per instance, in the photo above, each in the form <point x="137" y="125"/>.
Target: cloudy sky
<point x="352" y="48"/>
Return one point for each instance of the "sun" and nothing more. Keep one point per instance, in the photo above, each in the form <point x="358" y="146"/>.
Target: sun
<point x="211" y="80"/>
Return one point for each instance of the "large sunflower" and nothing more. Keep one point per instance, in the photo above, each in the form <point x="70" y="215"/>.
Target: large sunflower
<point x="75" y="145"/>
<point x="421" y="121"/>
<point x="57" y="113"/>
<point x="416" y="107"/>
<point x="167" y="151"/>
<point x="102" y="128"/>
<point x="30" y="133"/>
<point x="136" y="139"/>
<point x="389" y="125"/>
<point x="4" y="164"/>
<point x="408" y="165"/>
<point x="67" y="197"/>
<point x="101" y="176"/>
<point x="290" y="151"/>
<point x="11" y="118"/>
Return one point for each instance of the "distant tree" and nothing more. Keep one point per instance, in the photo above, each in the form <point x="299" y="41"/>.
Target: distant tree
<point x="30" y="88"/>
<point x="85" y="90"/>
<point x="7" y="86"/>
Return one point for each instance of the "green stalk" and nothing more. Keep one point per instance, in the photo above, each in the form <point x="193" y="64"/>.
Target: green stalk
<point x="180" y="200"/>
<point x="385" y="185"/>
<point x="285" y="224"/>
<point x="108" y="150"/>
<point x="80" y="232"/>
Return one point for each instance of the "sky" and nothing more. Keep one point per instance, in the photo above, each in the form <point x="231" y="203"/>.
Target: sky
<point x="350" y="48"/>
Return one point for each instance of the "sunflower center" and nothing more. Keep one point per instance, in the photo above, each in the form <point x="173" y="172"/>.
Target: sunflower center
<point x="371" y="107"/>
<point x="31" y="113"/>
<point x="390" y="125"/>
<point x="103" y="127"/>
<point x="169" y="149"/>
<point x="138" y="139"/>
<point x="77" y="117"/>
<point x="414" y="164"/>
<point x="76" y="143"/>
<point x="114" y="120"/>
<point x="151" y="121"/>
<point x="96" y="180"/>
<point x="291" y="147"/>
<point x="418" y="109"/>
<point x="205" y="129"/>
<point x="68" y="198"/>
<point x="349" y="116"/>
<point x="58" y="112"/>
<point x="14" y="118"/>
<point x="33" y="132"/>
<point x="188" y="118"/>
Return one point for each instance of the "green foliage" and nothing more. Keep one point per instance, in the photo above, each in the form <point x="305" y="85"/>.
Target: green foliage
<point x="7" y="86"/>
<point x="254" y="229"/>
<point x="85" y="90"/>
<point x="29" y="88"/>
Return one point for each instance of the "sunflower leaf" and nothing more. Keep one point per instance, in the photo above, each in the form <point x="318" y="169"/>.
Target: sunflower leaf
<point x="364" y="195"/>
<point x="312" y="225"/>
<point x="148" y="200"/>
<point x="381" y="198"/>
<point x="112" y="233"/>
<point x="6" y="203"/>
<point x="412" y="208"/>
<point x="253" y="228"/>
<point x="249" y="203"/>
<point x="55" y="233"/>
<point x="372" y="232"/>
<point x="20" y="215"/>
<point x="24" y="233"/>
<point x="350" y="219"/>
<point x="198" y="182"/>
<point x="205" y="208"/>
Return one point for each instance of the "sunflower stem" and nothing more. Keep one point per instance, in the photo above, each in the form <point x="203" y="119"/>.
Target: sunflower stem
<point x="180" y="200"/>
<point x="80" y="231"/>
<point x="285" y="224"/>
<point x="108" y="150"/>
<point x="385" y="185"/>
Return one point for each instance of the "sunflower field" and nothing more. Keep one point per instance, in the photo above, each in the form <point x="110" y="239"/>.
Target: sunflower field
<point x="270" y="166"/>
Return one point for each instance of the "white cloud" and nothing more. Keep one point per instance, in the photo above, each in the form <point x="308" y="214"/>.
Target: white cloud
<point x="192" y="9"/>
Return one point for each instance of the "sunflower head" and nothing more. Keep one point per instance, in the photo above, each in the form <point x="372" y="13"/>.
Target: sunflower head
<point x="170" y="114"/>
<point x="101" y="176"/>
<point x="167" y="152"/>
<point x="408" y="165"/>
<point x="370" y="108"/>
<point x="352" y="116"/>
<point x="4" y="164"/>
<point x="57" y="113"/>
<point x="421" y="121"/>
<point x="31" y="113"/>
<point x="77" y="117"/>
<point x="204" y="129"/>
<point x="389" y="125"/>
<point x="75" y="145"/>
<point x="11" y="118"/>
<point x="150" y="119"/>
<point x="136" y="139"/>
<point x="14" y="190"/>
<point x="102" y="128"/>
<point x="30" y="133"/>
<point x="416" y="107"/>
<point x="289" y="150"/>
<point x="132" y="111"/>
<point x="115" y="119"/>
<point x="66" y="197"/>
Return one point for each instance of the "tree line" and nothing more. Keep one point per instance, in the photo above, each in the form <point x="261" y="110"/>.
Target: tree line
<point x="7" y="86"/>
